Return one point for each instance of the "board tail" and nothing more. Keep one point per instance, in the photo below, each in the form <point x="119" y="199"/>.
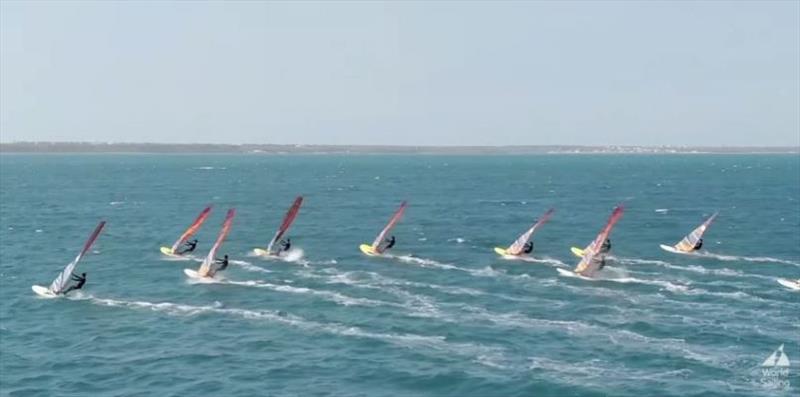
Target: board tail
<point x="193" y="228"/>
<point x="60" y="283"/>
<point x="206" y="267"/>
<point x="288" y="219"/>
<point x="377" y="244"/>
<point x="518" y="245"/>
<point x="590" y="262"/>
<point x="690" y="241"/>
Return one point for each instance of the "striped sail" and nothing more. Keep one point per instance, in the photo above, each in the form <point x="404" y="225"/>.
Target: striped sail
<point x="287" y="222"/>
<point x="518" y="245"/>
<point x="690" y="241"/>
<point x="377" y="244"/>
<point x="193" y="228"/>
<point x="60" y="283"/>
<point x="591" y="258"/>
<point x="206" y="269"/>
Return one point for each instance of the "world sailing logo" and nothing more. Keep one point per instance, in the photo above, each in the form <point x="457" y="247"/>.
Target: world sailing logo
<point x="775" y="370"/>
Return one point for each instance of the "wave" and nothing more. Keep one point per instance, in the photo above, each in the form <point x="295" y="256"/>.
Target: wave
<point x="328" y="295"/>
<point x="490" y="356"/>
<point x="249" y="266"/>
<point x="545" y="260"/>
<point x="766" y="259"/>
<point x="376" y="280"/>
<point x="294" y="255"/>
<point x="178" y="258"/>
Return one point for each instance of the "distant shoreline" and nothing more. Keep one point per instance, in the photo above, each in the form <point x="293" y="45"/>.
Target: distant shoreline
<point x="270" y="149"/>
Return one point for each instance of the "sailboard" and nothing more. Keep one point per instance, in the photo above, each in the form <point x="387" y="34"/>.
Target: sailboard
<point x="193" y="228"/>
<point x="590" y="261"/>
<point x="791" y="284"/>
<point x="288" y="219"/>
<point x="517" y="247"/>
<point x="377" y="246"/>
<point x="206" y="268"/>
<point x="688" y="243"/>
<point x="61" y="282"/>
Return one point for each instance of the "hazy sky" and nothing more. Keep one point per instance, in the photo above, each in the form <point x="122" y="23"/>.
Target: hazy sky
<point x="409" y="73"/>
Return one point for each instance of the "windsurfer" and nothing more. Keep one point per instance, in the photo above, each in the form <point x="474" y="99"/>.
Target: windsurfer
<point x="286" y="244"/>
<point x="606" y="246"/>
<point x="223" y="264"/>
<point x="188" y="247"/>
<point x="80" y="281"/>
<point x="389" y="243"/>
<point x="528" y="247"/>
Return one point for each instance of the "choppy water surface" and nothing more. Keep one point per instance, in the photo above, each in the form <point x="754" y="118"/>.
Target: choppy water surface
<point x="443" y="315"/>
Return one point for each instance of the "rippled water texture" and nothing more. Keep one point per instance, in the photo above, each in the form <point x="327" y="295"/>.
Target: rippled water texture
<point x="442" y="316"/>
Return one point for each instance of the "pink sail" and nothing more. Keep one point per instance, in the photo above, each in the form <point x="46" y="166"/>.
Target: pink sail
<point x="518" y="245"/>
<point x="376" y="245"/>
<point x="60" y="283"/>
<point x="205" y="268"/>
<point x="690" y="241"/>
<point x="590" y="262"/>
<point x="287" y="222"/>
<point x="193" y="228"/>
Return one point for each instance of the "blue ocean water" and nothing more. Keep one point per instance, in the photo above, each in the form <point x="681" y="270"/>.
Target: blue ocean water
<point x="443" y="316"/>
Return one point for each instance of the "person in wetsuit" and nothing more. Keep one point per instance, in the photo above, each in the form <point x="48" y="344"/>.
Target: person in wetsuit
<point x="604" y="250"/>
<point x="188" y="247"/>
<point x="528" y="248"/>
<point x="222" y="264"/>
<point x="286" y="244"/>
<point x="698" y="245"/>
<point x="80" y="281"/>
<point x="606" y="246"/>
<point x="389" y="243"/>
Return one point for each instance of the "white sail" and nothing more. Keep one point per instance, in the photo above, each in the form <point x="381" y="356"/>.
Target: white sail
<point x="60" y="283"/>
<point x="518" y="245"/>
<point x="206" y="269"/>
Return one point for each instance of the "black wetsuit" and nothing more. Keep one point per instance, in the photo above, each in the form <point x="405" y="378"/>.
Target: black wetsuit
<point x="81" y="280"/>
<point x="606" y="246"/>
<point x="285" y="245"/>
<point x="389" y="243"/>
<point x="528" y="248"/>
<point x="604" y="250"/>
<point x="223" y="264"/>
<point x="698" y="245"/>
<point x="189" y="246"/>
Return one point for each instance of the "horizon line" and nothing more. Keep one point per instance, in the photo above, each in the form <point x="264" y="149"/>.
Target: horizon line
<point x="445" y="146"/>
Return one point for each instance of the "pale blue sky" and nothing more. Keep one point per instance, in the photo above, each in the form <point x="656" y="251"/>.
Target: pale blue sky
<point x="408" y="73"/>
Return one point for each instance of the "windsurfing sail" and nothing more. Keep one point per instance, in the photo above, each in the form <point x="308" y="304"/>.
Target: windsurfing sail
<point x="518" y="245"/>
<point x="590" y="262"/>
<point x="60" y="283"/>
<point x="377" y="244"/>
<point x="287" y="222"/>
<point x="690" y="241"/>
<point x="195" y="226"/>
<point x="205" y="268"/>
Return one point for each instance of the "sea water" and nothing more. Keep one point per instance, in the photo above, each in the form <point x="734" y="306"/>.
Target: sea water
<point x="442" y="315"/>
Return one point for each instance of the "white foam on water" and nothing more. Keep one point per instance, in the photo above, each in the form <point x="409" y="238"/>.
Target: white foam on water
<point x="327" y="295"/>
<point x="422" y="343"/>
<point x="249" y="267"/>
<point x="660" y="283"/>
<point x="635" y="261"/>
<point x="544" y="260"/>
<point x="745" y="258"/>
<point x="176" y="258"/>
